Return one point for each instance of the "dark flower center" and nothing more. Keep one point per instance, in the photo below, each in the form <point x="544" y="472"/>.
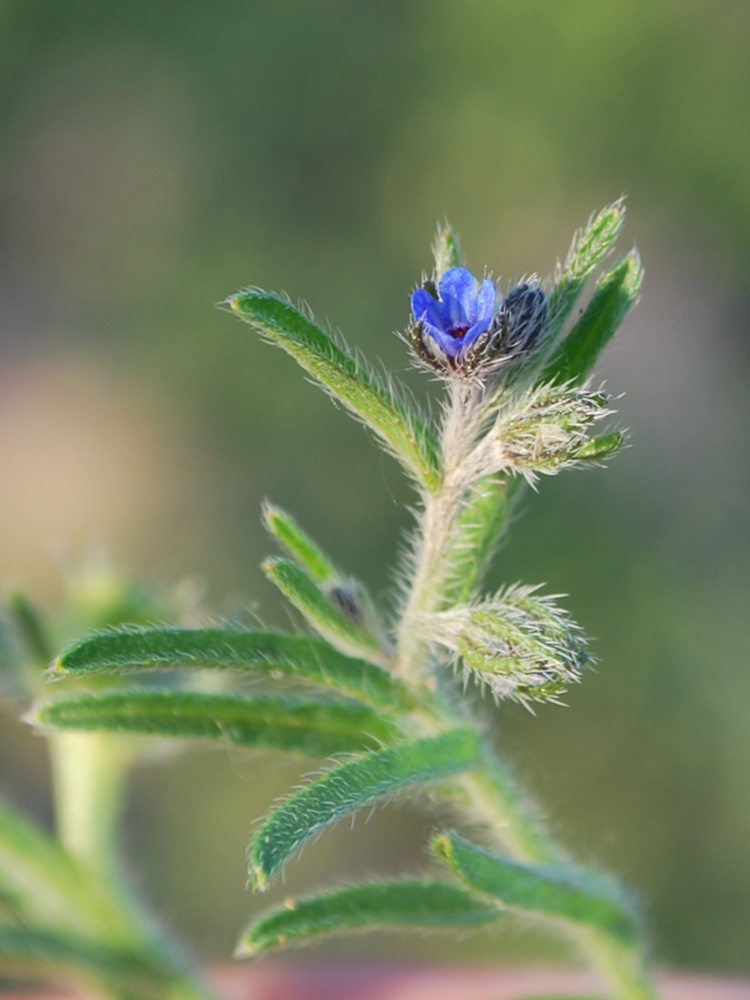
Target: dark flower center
<point x="458" y="332"/>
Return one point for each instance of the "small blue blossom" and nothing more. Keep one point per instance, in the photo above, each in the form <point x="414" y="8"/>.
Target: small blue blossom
<point x="456" y="314"/>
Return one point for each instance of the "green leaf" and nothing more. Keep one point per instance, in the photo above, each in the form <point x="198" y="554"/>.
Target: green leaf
<point x="316" y="729"/>
<point x="122" y="650"/>
<point x="42" y="884"/>
<point x="616" y="293"/>
<point x="346" y="594"/>
<point x="299" y="545"/>
<point x="30" y="627"/>
<point x="36" y="950"/>
<point x="350" y="786"/>
<point x="545" y="891"/>
<point x="480" y="528"/>
<point x="96" y="968"/>
<point x="374" y="905"/>
<point x="338" y="623"/>
<point x="446" y="251"/>
<point x="406" y="435"/>
<point x="589" y="249"/>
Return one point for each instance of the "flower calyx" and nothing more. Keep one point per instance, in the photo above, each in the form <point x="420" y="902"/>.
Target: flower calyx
<point x="520" y="645"/>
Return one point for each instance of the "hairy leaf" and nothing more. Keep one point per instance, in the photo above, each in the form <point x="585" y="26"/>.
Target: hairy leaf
<point x="350" y="786"/>
<point x="616" y="293"/>
<point x="373" y="905"/>
<point x="317" y="729"/>
<point x="346" y="594"/>
<point x="359" y="390"/>
<point x="132" y="649"/>
<point x="544" y="890"/>
<point x="589" y="249"/>
<point x="337" y="622"/>
<point x="299" y="545"/>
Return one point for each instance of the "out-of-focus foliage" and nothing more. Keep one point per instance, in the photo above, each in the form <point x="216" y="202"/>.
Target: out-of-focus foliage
<point x="156" y="155"/>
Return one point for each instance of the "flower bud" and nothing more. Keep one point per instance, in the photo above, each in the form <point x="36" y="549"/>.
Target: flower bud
<point x="519" y="645"/>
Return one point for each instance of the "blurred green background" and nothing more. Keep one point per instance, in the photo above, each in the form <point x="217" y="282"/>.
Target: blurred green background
<point x="158" y="155"/>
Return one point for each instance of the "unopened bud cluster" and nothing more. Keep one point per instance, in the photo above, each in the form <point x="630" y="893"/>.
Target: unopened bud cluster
<point x="519" y="645"/>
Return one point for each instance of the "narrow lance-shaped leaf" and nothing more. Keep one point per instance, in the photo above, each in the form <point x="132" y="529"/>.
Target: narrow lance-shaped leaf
<point x="350" y="786"/>
<point x="40" y="951"/>
<point x="616" y="293"/>
<point x="316" y="729"/>
<point x="589" y="249"/>
<point x="405" y="433"/>
<point x="341" y="626"/>
<point x="123" y="650"/>
<point x="369" y="906"/>
<point x="545" y="891"/>
<point x="95" y="967"/>
<point x="30" y="627"/>
<point x="344" y="593"/>
<point x="41" y="883"/>
<point x="299" y="545"/>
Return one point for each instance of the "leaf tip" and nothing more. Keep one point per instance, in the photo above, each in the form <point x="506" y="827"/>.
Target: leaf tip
<point x="246" y="948"/>
<point x="441" y="847"/>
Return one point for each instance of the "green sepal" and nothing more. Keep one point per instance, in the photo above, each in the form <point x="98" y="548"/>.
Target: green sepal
<point x="589" y="249"/>
<point x="125" y="650"/>
<point x="447" y="251"/>
<point x="405" y="433"/>
<point x="348" y="787"/>
<point x="313" y="728"/>
<point x="546" y="891"/>
<point x="338" y="624"/>
<point x="368" y="906"/>
<point x="600" y="448"/>
<point x="616" y="293"/>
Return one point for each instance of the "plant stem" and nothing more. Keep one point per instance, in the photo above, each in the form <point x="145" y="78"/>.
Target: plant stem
<point x="89" y="772"/>
<point x="494" y="797"/>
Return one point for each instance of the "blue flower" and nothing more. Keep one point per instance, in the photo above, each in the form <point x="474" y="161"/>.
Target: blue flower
<point x="455" y="314"/>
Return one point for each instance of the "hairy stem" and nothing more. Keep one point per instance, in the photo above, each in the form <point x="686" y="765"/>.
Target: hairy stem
<point x="493" y="795"/>
<point x="439" y="521"/>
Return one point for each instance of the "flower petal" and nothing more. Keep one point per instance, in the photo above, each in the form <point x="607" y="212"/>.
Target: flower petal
<point x="424" y="305"/>
<point x="458" y="290"/>
<point x="486" y="298"/>
<point x="481" y="326"/>
<point x="447" y="344"/>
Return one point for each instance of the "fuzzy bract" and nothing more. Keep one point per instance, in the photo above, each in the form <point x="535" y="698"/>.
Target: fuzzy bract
<point x="524" y="313"/>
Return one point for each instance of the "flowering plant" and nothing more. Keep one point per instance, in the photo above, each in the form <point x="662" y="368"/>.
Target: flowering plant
<point x="382" y="695"/>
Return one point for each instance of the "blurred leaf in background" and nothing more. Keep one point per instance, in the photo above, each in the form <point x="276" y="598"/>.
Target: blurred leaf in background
<point x="158" y="155"/>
